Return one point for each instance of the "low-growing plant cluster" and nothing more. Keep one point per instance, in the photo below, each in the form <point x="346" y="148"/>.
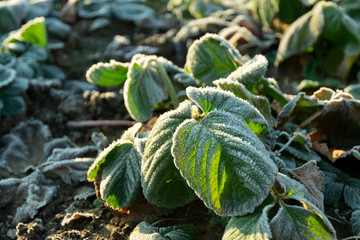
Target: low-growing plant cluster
<point x="25" y="53"/>
<point x="217" y="132"/>
<point x="226" y="144"/>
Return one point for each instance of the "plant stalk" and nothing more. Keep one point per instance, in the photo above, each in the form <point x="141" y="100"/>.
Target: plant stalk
<point x="94" y="123"/>
<point x="169" y="85"/>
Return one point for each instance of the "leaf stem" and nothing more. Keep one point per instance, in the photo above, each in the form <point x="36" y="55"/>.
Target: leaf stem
<point x="94" y="123"/>
<point x="352" y="238"/>
<point x="273" y="92"/>
<point x="168" y="84"/>
<point x="291" y="139"/>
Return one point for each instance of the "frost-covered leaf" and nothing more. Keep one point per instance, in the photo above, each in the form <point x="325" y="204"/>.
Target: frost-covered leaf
<point x="57" y="28"/>
<point x="35" y="52"/>
<point x="211" y="57"/>
<point x="265" y="11"/>
<point x="352" y="193"/>
<point x="341" y="110"/>
<point x="52" y="71"/>
<point x="301" y="105"/>
<point x="299" y="222"/>
<point x="291" y="188"/>
<point x="11" y="14"/>
<point x="24" y="146"/>
<point x="209" y="99"/>
<point x="12" y="105"/>
<point x="39" y="8"/>
<point x="94" y="8"/>
<point x="7" y="75"/>
<point x="34" y="32"/>
<point x="355" y="222"/>
<point x="311" y="177"/>
<point x="188" y="9"/>
<point x="341" y="29"/>
<point x="295" y="222"/>
<point x="338" y="184"/>
<point x="326" y="20"/>
<point x="161" y="181"/>
<point x="221" y="158"/>
<point x="146" y="231"/>
<point x="70" y="164"/>
<point x="298" y="145"/>
<point x="132" y="11"/>
<point x="253" y="226"/>
<point x="107" y="74"/>
<point x="354" y="90"/>
<point x="250" y="73"/>
<point x="301" y="34"/>
<point x="240" y="91"/>
<point x="144" y="87"/>
<point x="116" y="172"/>
<point x="25" y="196"/>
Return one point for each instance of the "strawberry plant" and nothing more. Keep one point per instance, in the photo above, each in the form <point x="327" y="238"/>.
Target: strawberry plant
<point x="327" y="31"/>
<point x="223" y="145"/>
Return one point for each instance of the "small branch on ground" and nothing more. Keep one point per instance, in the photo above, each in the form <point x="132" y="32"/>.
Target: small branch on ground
<point x="95" y="123"/>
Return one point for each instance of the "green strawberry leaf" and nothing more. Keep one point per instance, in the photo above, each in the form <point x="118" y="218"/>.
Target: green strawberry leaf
<point x="295" y="222"/>
<point x="107" y="74"/>
<point x="220" y="156"/>
<point x="146" y="231"/>
<point x="251" y="226"/>
<point x="145" y="86"/>
<point x="162" y="183"/>
<point x="210" y="58"/>
<point x="116" y="172"/>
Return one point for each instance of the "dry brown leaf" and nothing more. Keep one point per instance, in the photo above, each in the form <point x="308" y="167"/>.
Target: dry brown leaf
<point x="312" y="178"/>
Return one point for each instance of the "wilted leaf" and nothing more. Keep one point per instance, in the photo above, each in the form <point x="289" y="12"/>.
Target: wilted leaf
<point x="107" y="74"/>
<point x="220" y="156"/>
<point x="341" y="110"/>
<point x="161" y="181"/>
<point x="146" y="231"/>
<point x="70" y="164"/>
<point x="253" y="226"/>
<point x="25" y="196"/>
<point x="210" y="58"/>
<point x="24" y="146"/>
<point x="116" y="172"/>
<point x="311" y="177"/>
